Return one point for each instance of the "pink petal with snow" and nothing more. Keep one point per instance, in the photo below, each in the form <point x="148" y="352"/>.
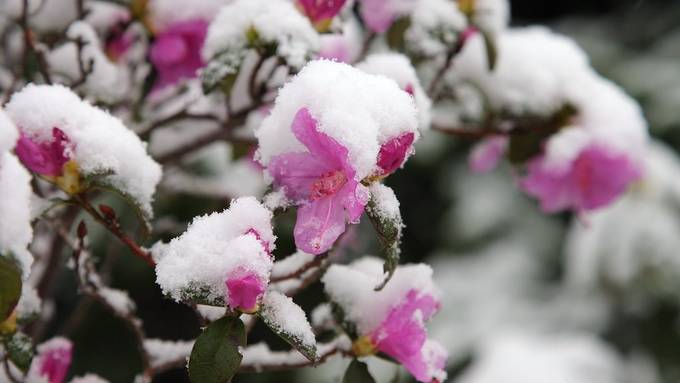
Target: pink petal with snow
<point x="485" y="154"/>
<point x="45" y="158"/>
<point x="594" y="179"/>
<point x="321" y="10"/>
<point x="377" y="14"/>
<point x="393" y="153"/>
<point x="52" y="362"/>
<point x="319" y="224"/>
<point x="402" y="334"/>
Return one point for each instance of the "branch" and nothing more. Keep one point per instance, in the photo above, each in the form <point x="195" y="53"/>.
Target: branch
<point x="296" y="273"/>
<point x="30" y="46"/>
<point x="85" y="71"/>
<point x="469" y="133"/>
<point x="294" y="363"/>
<point x="112" y="225"/>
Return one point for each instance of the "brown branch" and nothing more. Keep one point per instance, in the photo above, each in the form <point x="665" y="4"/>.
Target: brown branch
<point x="181" y="115"/>
<point x="294" y="365"/>
<point x="317" y="261"/>
<point x="84" y="70"/>
<point x="469" y="133"/>
<point x="113" y="227"/>
<point x="452" y="52"/>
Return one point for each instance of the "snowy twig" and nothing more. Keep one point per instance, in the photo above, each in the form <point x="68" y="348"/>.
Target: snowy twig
<point x="316" y="262"/>
<point x="84" y="70"/>
<point x="452" y="52"/>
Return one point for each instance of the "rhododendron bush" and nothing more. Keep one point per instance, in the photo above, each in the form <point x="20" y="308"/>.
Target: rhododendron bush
<point x="224" y="190"/>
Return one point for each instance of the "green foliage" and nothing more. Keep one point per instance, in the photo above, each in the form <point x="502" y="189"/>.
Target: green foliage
<point x="215" y="357"/>
<point x="20" y="350"/>
<point x="389" y="234"/>
<point x="10" y="285"/>
<point x="357" y="372"/>
<point x="308" y="351"/>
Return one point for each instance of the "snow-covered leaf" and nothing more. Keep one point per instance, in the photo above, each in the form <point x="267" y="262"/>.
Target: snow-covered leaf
<point x="20" y="350"/>
<point x="215" y="357"/>
<point x="357" y="372"/>
<point x="10" y="286"/>
<point x="491" y="49"/>
<point x="289" y="322"/>
<point x="383" y="211"/>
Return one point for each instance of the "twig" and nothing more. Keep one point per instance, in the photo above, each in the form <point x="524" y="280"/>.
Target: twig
<point x="30" y="46"/>
<point x="470" y="133"/>
<point x="113" y="227"/>
<point x="452" y="52"/>
<point x="296" y="273"/>
<point x="8" y="370"/>
<point x="84" y="70"/>
<point x="292" y="365"/>
<point x="181" y="115"/>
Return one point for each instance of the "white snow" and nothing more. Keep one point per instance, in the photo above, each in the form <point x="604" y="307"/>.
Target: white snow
<point x="119" y="300"/>
<point x="213" y="246"/>
<point x="45" y="15"/>
<point x="291" y="263"/>
<point x="491" y="15"/>
<point x="398" y="67"/>
<point x="386" y="202"/>
<point x="16" y="232"/>
<point x="260" y="354"/>
<point x="282" y="313"/>
<point x="106" y="81"/>
<point x="29" y="303"/>
<point x="164" y="13"/>
<point x="359" y="110"/>
<point x="167" y="351"/>
<point x="273" y="21"/>
<point x="8" y="132"/>
<point x="352" y="287"/>
<point x="102" y="144"/>
<point x="532" y="358"/>
<point x="434" y="29"/>
<point x="89" y="378"/>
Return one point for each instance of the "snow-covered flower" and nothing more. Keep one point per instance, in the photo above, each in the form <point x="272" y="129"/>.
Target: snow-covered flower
<point x="334" y="126"/>
<point x="436" y="26"/>
<point x="176" y="51"/>
<point x="322" y="182"/>
<point x="392" y="320"/>
<point x="65" y="137"/>
<point x="321" y="12"/>
<point x="52" y="361"/>
<point x="225" y="256"/>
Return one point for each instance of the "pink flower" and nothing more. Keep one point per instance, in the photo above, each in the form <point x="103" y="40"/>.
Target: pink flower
<point x="52" y="362"/>
<point x="176" y="52"/>
<point x="322" y="182"/>
<point x="393" y="153"/>
<point x="335" y="47"/>
<point x="485" y="154"/>
<point x="244" y="291"/>
<point x="377" y="14"/>
<point x="44" y="158"/>
<point x="594" y="179"/>
<point x="402" y="335"/>
<point x="118" y="44"/>
<point x="320" y="11"/>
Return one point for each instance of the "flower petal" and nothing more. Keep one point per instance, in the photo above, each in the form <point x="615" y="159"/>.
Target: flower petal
<point x="319" y="144"/>
<point x="319" y="224"/>
<point x="485" y="155"/>
<point x="393" y="153"/>
<point x="354" y="197"/>
<point x="243" y="291"/>
<point x="296" y="172"/>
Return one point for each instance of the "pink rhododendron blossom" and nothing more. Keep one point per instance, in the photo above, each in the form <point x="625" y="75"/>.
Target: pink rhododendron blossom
<point x="402" y="335"/>
<point x="485" y="154"/>
<point x="264" y="243"/>
<point x="45" y="158"/>
<point x="244" y="291"/>
<point x="377" y="14"/>
<point x="176" y="52"/>
<point x="594" y="179"/>
<point x="52" y="361"/>
<point x="335" y="47"/>
<point x="393" y="153"/>
<point x="322" y="182"/>
<point x="320" y="11"/>
<point x="118" y="44"/>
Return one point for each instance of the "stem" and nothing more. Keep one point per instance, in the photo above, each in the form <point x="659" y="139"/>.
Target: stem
<point x="292" y="365"/>
<point x="30" y="46"/>
<point x="309" y="265"/>
<point x="469" y="133"/>
<point x="114" y="228"/>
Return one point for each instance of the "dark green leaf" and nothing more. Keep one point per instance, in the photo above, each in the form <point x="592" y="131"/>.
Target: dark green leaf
<point x="215" y="357"/>
<point x="10" y="285"/>
<point x="20" y="350"/>
<point x="395" y="35"/>
<point x="389" y="235"/>
<point x="357" y="372"/>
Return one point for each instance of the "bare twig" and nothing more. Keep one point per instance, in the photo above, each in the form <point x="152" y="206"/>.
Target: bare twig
<point x="316" y="262"/>
<point x="84" y="70"/>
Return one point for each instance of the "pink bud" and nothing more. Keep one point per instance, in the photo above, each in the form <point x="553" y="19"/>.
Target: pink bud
<point x="393" y="153"/>
<point x="244" y="289"/>
<point x="44" y="158"/>
<point x="176" y="52"/>
<point x="319" y="11"/>
<point x="52" y="362"/>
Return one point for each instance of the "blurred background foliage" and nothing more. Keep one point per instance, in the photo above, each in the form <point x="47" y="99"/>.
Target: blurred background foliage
<point x="454" y="220"/>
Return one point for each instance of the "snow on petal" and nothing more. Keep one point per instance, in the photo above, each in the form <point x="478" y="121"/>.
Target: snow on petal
<point x="101" y="144"/>
<point x="52" y="361"/>
<point x="232" y="245"/>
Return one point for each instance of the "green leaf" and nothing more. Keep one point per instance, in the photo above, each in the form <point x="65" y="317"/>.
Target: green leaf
<point x="388" y="229"/>
<point x="357" y="372"/>
<point x="10" y="285"/>
<point x="215" y="357"/>
<point x="491" y="49"/>
<point x="271" y="311"/>
<point x="395" y="35"/>
<point x="20" y="350"/>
